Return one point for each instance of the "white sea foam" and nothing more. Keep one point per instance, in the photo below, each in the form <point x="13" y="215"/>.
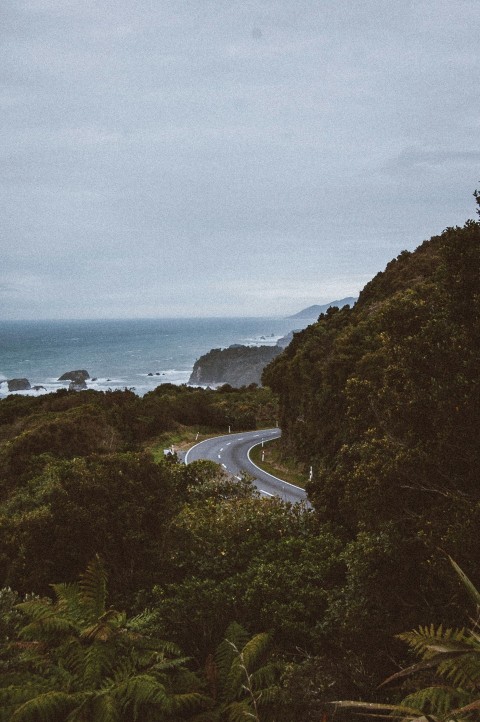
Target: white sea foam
<point x="262" y="340"/>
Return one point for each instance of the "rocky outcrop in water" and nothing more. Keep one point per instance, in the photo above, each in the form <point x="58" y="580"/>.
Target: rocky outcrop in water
<point x="77" y="386"/>
<point x="237" y="365"/>
<point x="75" y="376"/>
<point x="19" y="385"/>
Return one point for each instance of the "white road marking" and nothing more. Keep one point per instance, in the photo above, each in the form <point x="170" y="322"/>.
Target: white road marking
<point x="238" y="477"/>
<point x="225" y="436"/>
<point x="219" y="456"/>
<point x="224" y="466"/>
<point x="221" y="449"/>
<point x="287" y="483"/>
<point x="262" y="491"/>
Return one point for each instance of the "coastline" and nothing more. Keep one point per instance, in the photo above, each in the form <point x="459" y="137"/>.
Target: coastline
<point x="138" y="354"/>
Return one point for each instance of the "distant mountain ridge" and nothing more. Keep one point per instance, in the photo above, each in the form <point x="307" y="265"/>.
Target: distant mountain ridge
<point x="316" y="310"/>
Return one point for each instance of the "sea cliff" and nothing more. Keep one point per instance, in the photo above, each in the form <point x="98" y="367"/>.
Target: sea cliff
<point x="236" y="365"/>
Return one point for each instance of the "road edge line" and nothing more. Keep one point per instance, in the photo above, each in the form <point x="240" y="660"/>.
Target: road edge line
<point x="277" y="478"/>
<point x="225" y="436"/>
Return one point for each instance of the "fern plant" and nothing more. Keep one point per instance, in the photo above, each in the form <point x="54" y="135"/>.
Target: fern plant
<point x="453" y="655"/>
<point x="242" y="680"/>
<point x="93" y="663"/>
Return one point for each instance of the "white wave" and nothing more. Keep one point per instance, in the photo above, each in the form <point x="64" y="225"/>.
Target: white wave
<point x="262" y="340"/>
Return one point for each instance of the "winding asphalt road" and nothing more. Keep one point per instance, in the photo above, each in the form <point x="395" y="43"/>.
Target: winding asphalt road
<point x="233" y="453"/>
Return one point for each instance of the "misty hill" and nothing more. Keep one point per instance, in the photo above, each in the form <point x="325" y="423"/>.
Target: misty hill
<point x="315" y="311"/>
<point x="237" y="365"/>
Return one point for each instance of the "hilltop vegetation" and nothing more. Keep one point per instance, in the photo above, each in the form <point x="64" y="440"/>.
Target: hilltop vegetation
<point x="382" y="400"/>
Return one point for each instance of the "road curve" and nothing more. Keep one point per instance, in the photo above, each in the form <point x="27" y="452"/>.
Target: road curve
<point x="233" y="453"/>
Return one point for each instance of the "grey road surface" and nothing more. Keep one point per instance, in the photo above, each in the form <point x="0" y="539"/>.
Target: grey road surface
<point x="232" y="452"/>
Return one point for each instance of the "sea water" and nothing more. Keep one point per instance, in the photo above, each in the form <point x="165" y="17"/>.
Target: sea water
<point x="123" y="353"/>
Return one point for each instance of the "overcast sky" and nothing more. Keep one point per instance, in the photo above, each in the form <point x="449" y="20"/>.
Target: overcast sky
<point x="210" y="157"/>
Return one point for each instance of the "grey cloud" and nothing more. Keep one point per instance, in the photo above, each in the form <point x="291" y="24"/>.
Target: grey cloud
<point x="413" y="159"/>
<point x="314" y="139"/>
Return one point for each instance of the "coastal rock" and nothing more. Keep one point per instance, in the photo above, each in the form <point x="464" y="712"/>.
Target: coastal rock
<point x="237" y="365"/>
<point x="77" y="386"/>
<point x="39" y="388"/>
<point x="19" y="385"/>
<point x="76" y="376"/>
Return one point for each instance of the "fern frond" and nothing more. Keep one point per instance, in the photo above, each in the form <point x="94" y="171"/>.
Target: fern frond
<point x="67" y="598"/>
<point x="46" y="627"/>
<point x="235" y="639"/>
<point x="463" y="671"/>
<point x="48" y="707"/>
<point x="99" y="707"/>
<point x="239" y="712"/>
<point x="73" y="657"/>
<point x="35" y="608"/>
<point x="265" y="676"/>
<point x="233" y="686"/>
<point x="242" y="665"/>
<point x="165" y="665"/>
<point x="99" y="659"/>
<point x="434" y="662"/>
<point x="471" y="589"/>
<point x="268" y="695"/>
<point x="140" y="691"/>
<point x="185" y="703"/>
<point x="14" y="696"/>
<point x="436" y="700"/>
<point x="254" y="649"/>
<point x="428" y="641"/>
<point x="159" y="646"/>
<point x="93" y="589"/>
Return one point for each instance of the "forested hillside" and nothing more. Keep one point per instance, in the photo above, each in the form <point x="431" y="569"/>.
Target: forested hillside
<point x="383" y="400"/>
<point x="139" y="589"/>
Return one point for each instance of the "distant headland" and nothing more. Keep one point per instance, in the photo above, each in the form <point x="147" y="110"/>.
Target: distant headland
<point x="240" y="365"/>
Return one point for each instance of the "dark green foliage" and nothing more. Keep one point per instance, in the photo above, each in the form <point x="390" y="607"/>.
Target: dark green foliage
<point x="243" y="681"/>
<point x="72" y="423"/>
<point x="80" y="660"/>
<point x="383" y="400"/>
<point x="240" y="409"/>
<point x="443" y="685"/>
<point x="77" y="432"/>
<point x="259" y="561"/>
<point x="117" y="505"/>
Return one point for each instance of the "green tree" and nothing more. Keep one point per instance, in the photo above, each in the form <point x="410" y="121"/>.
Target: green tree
<point x="116" y="505"/>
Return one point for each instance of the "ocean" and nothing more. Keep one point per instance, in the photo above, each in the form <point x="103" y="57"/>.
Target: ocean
<point x="122" y="353"/>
